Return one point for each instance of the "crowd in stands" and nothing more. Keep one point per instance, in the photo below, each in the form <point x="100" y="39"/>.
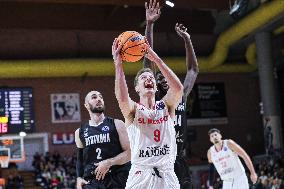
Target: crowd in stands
<point x="54" y="171"/>
<point x="271" y="173"/>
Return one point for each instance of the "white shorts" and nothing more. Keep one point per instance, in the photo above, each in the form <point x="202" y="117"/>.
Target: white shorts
<point x="240" y="182"/>
<point x="148" y="178"/>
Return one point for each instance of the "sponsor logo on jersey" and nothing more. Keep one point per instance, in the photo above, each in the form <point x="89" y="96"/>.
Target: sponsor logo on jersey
<point x="86" y="132"/>
<point x="225" y="148"/>
<point x="152" y="121"/>
<point x="105" y="128"/>
<point x="154" y="151"/>
<point x="227" y="171"/>
<point x="180" y="107"/>
<point x="141" y="108"/>
<point x="179" y="137"/>
<point x="97" y="139"/>
<point x="224" y="158"/>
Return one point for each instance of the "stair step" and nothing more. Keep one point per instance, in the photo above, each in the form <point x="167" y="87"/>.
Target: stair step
<point x="29" y="179"/>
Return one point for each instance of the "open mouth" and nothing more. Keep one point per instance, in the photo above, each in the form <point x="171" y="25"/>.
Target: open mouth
<point x="99" y="104"/>
<point x="149" y="85"/>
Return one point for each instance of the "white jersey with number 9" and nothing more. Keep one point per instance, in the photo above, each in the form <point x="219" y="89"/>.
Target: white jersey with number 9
<point x="152" y="137"/>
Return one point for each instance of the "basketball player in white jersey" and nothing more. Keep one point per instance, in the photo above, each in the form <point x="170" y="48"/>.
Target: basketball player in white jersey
<point x="224" y="154"/>
<point x="149" y="124"/>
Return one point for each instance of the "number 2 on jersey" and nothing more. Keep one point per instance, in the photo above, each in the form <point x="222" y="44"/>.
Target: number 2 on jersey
<point x="157" y="135"/>
<point x="99" y="151"/>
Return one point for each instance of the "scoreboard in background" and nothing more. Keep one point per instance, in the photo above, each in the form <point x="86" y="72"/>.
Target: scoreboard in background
<point x="16" y="110"/>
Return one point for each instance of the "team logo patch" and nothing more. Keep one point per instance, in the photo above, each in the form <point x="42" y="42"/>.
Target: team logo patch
<point x="105" y="128"/>
<point x="225" y="149"/>
<point x="138" y="172"/>
<point x="160" y="106"/>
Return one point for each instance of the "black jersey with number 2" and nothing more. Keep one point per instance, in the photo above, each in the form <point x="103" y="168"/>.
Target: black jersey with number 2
<point x="100" y="142"/>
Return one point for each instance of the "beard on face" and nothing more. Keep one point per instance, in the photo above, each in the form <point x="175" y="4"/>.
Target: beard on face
<point x="97" y="109"/>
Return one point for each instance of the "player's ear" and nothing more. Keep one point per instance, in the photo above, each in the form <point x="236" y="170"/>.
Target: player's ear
<point x="137" y="89"/>
<point x="87" y="105"/>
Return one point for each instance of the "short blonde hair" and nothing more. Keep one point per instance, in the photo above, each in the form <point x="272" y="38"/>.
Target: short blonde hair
<point x="143" y="70"/>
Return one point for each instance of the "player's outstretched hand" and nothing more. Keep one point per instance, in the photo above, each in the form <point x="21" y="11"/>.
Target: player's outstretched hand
<point x="80" y="183"/>
<point x="150" y="54"/>
<point x="181" y="31"/>
<point x="153" y="11"/>
<point x="102" y="169"/>
<point x="116" y="47"/>
<point x="253" y="177"/>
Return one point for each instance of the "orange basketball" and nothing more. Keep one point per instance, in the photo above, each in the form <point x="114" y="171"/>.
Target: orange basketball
<point x="133" y="46"/>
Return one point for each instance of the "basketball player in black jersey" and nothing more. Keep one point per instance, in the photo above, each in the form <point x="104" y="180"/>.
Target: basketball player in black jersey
<point x="152" y="14"/>
<point x="103" y="148"/>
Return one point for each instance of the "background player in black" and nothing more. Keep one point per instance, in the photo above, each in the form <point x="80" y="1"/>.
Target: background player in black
<point x="152" y="14"/>
<point x="103" y="148"/>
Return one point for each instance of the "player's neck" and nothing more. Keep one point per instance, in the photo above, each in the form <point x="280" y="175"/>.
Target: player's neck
<point x="219" y="145"/>
<point x="147" y="101"/>
<point x="97" y="118"/>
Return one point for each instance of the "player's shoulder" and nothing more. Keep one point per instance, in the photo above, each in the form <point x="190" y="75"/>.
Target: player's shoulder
<point x="77" y="131"/>
<point x="118" y="122"/>
<point x="210" y="148"/>
<point x="119" y="125"/>
<point x="229" y="141"/>
<point x="209" y="151"/>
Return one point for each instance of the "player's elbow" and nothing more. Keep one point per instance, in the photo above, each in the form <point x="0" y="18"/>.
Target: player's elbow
<point x="196" y="70"/>
<point x="179" y="91"/>
<point x="179" y="88"/>
<point x="128" y="155"/>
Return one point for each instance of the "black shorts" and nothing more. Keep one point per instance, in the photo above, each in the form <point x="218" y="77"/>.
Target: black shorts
<point x="183" y="173"/>
<point x="116" y="179"/>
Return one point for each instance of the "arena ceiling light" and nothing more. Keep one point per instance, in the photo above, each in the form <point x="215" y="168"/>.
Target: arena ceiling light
<point x="170" y="3"/>
<point x="239" y="9"/>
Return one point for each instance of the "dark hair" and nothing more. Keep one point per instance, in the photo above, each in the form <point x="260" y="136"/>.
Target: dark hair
<point x="140" y="72"/>
<point x="157" y="73"/>
<point x="213" y="130"/>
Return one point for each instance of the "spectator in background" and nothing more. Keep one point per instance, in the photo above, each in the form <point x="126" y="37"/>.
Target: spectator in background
<point x="59" y="110"/>
<point x="55" y="171"/>
<point x="72" y="112"/>
<point x="271" y="173"/>
<point x="268" y="140"/>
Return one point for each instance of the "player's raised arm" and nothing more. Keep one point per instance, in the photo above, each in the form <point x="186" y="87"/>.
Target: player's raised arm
<point x="175" y="91"/>
<point x="153" y="13"/>
<point x="191" y="60"/>
<point x="121" y="90"/>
